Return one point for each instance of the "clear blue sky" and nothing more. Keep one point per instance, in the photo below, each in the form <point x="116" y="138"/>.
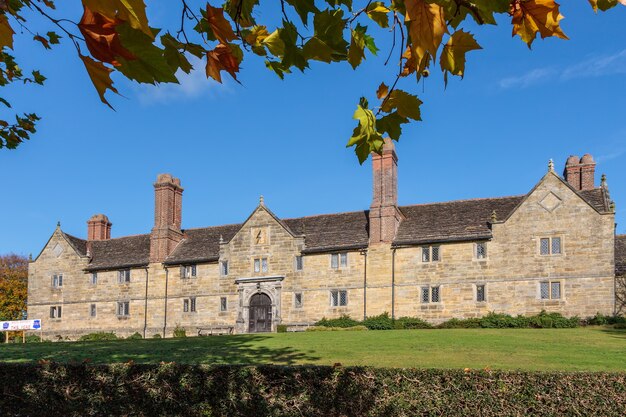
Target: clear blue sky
<point x="490" y="134"/>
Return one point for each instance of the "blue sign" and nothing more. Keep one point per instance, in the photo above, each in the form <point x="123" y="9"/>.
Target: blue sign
<point x="36" y="324"/>
<point x="5" y="325"/>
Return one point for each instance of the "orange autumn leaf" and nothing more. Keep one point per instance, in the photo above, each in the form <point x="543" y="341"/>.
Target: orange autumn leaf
<point x="100" y="76"/>
<point x="427" y="26"/>
<point x="382" y="91"/>
<point x="536" y="16"/>
<point x="101" y="37"/>
<point x="221" y="59"/>
<point x="219" y="25"/>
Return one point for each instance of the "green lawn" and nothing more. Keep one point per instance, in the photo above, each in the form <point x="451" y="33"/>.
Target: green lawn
<point x="592" y="348"/>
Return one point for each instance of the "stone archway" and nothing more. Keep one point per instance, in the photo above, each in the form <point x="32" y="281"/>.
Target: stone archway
<point x="260" y="313"/>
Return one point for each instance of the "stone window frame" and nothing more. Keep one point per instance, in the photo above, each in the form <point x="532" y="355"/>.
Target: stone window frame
<point x="298" y="263"/>
<point x="341" y="260"/>
<point x="56" y="280"/>
<point x="124" y="307"/>
<point x="336" y="298"/>
<point x="298" y="303"/>
<point x="263" y="265"/>
<point x="56" y="312"/>
<point x="485" y="250"/>
<point x="188" y="271"/>
<point x="430" y="251"/>
<point x="224" y="268"/>
<point x="93" y="278"/>
<point x="550" y="294"/>
<point x="484" y="292"/>
<point x="551" y="240"/>
<point x="93" y="311"/>
<point x="431" y="294"/>
<point x="190" y="305"/>
<point x="223" y="304"/>
<point x="123" y="276"/>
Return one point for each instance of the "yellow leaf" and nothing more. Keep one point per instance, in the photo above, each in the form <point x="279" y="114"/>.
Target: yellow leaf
<point x="131" y="11"/>
<point x="257" y="35"/>
<point x="6" y="33"/>
<point x="426" y="27"/>
<point x="222" y="30"/>
<point x="453" y="54"/>
<point x="100" y="77"/>
<point x="382" y="91"/>
<point x="532" y="16"/>
<point x="275" y="44"/>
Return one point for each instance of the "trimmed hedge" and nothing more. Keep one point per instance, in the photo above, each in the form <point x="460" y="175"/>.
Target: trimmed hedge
<point x="170" y="389"/>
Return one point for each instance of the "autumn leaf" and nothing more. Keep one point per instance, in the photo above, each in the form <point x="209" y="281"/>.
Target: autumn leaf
<point x="365" y="136"/>
<point x="100" y="77"/>
<point x="221" y="28"/>
<point x="42" y="40"/>
<point x="536" y="16"/>
<point x="391" y="124"/>
<point x="426" y="27"/>
<point x="255" y="38"/>
<point x="382" y="91"/>
<point x="303" y="8"/>
<point x="6" y="33"/>
<point x="359" y="40"/>
<point x="453" y="55"/>
<point x="406" y="104"/>
<point x="131" y="11"/>
<point x="101" y="37"/>
<point x="220" y="59"/>
<point x="241" y="11"/>
<point x="378" y="13"/>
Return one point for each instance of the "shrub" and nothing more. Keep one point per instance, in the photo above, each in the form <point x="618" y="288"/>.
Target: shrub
<point x="343" y="321"/>
<point x="411" y="323"/>
<point x="281" y="328"/>
<point x="156" y="336"/>
<point x="472" y="323"/>
<point x="32" y="338"/>
<point x="335" y="329"/>
<point x="380" y="322"/>
<point x="601" y="320"/>
<point x="135" y="336"/>
<point x="180" y="331"/>
<point x="97" y="337"/>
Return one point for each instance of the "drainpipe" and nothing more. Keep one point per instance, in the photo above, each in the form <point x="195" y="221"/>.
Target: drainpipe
<point x="364" y="253"/>
<point x="393" y="284"/>
<point x="165" y="309"/>
<point x="145" y="308"/>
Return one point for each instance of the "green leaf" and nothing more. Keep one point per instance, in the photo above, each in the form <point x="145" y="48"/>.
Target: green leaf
<point x="303" y="8"/>
<point x="406" y="104"/>
<point x="378" y="13"/>
<point x="150" y="65"/>
<point x="335" y="3"/>
<point x="38" y="78"/>
<point x="293" y="54"/>
<point x="241" y="11"/>
<point x="391" y="124"/>
<point x="329" y="28"/>
<point x="54" y="38"/>
<point x="173" y="55"/>
<point x="365" y="137"/>
<point x="278" y="68"/>
<point x="358" y="42"/>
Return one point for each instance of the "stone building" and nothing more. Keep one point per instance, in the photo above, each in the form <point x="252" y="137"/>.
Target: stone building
<point x="552" y="249"/>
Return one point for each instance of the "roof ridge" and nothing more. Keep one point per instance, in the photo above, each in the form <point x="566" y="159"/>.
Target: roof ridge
<point x="73" y="237"/>
<point x="209" y="227"/>
<point x="466" y="200"/>
<point x="123" y="237"/>
<point x="327" y="214"/>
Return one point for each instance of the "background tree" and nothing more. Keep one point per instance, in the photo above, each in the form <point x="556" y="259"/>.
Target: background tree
<point x="13" y="287"/>
<point x="114" y="36"/>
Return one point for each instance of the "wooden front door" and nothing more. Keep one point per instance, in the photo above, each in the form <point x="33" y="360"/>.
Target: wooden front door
<point x="260" y="314"/>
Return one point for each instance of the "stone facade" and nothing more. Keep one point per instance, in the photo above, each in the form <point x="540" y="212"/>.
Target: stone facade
<point x="552" y="249"/>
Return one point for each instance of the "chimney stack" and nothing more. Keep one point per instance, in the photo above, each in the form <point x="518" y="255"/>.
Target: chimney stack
<point x="98" y="228"/>
<point x="580" y="173"/>
<point x="166" y="233"/>
<point x="384" y="214"/>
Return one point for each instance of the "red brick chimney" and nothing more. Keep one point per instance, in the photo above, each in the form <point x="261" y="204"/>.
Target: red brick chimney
<point x="580" y="173"/>
<point x="166" y="233"/>
<point x="587" y="172"/>
<point x="384" y="214"/>
<point x="98" y="227"/>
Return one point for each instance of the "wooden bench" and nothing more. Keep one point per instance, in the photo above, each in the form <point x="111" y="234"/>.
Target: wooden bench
<point x="215" y="330"/>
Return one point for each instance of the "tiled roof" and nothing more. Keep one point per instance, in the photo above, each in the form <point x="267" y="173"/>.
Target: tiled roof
<point x="123" y="252"/>
<point x="80" y="245"/>
<point x="620" y="255"/>
<point x="202" y="245"/>
<point x="452" y="221"/>
<point x="424" y="223"/>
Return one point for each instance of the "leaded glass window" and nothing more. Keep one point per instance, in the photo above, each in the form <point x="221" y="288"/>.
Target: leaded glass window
<point x="480" y="293"/>
<point x="481" y="250"/>
<point x="435" y="253"/>
<point x="545" y="290"/>
<point x="555" y="290"/>
<point x="223" y="304"/>
<point x="556" y="245"/>
<point x="426" y="254"/>
<point x="297" y="300"/>
<point x="344" y="259"/>
<point x="334" y="260"/>
<point x="425" y="294"/>
<point x="434" y="294"/>
<point x="545" y="246"/>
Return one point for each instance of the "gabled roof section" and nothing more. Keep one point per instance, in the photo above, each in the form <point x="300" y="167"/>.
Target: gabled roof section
<point x="79" y="245"/>
<point x="452" y="221"/>
<point x="202" y="245"/>
<point x="329" y="232"/>
<point x="123" y="252"/>
<point x="620" y="255"/>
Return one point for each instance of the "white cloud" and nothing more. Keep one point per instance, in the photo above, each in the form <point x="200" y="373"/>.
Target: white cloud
<point x="191" y="86"/>
<point x="598" y="66"/>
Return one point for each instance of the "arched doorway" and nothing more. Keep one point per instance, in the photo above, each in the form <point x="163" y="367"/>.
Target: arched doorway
<point x="260" y="314"/>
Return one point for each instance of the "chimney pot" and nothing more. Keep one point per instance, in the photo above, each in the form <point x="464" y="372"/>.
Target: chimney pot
<point x="98" y="228"/>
